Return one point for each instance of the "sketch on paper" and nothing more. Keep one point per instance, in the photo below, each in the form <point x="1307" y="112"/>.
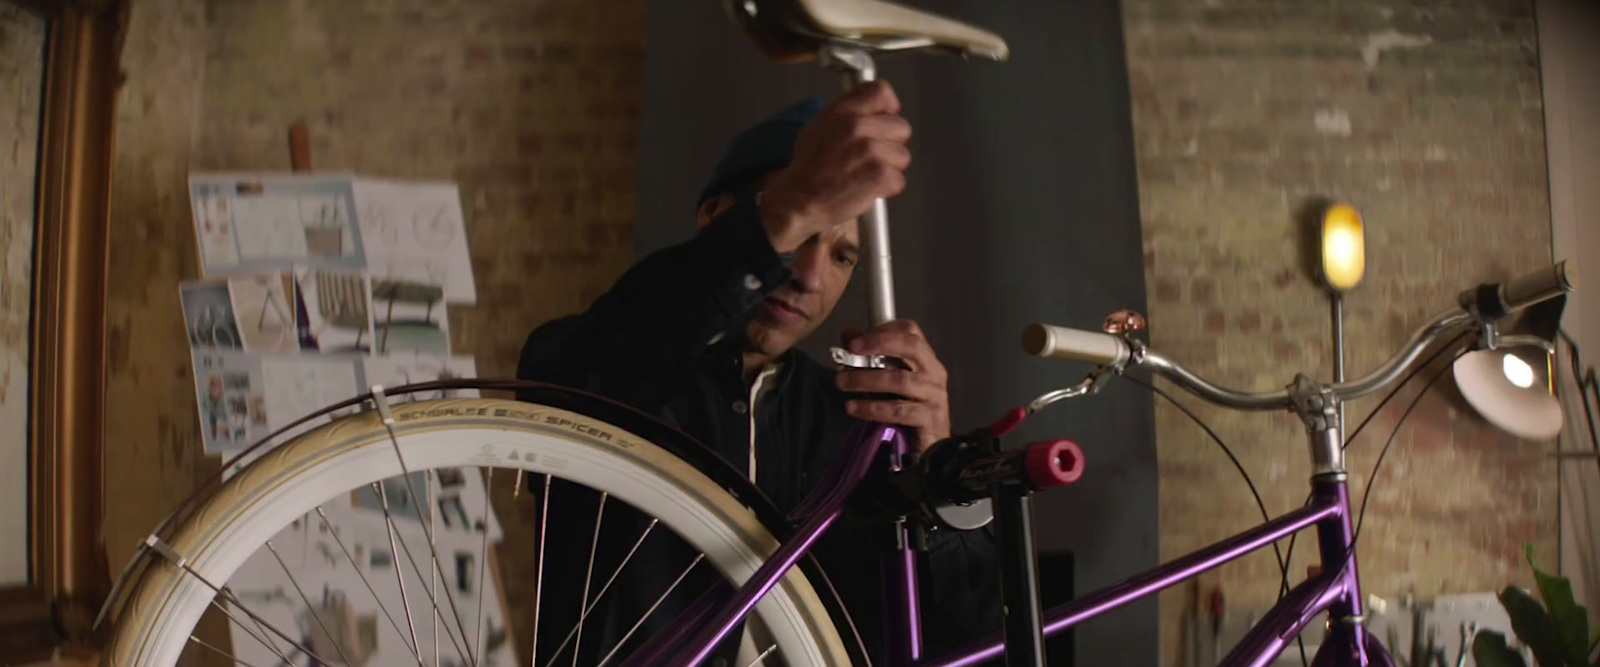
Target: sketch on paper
<point x="333" y="562"/>
<point x="338" y="311"/>
<point x="342" y="266"/>
<point x="208" y="315"/>
<point x="245" y="222"/>
<point x="415" y="233"/>
<point x="409" y="317"/>
<point x="298" y="386"/>
<point x="402" y="369"/>
<point x="288" y="387"/>
<point x="264" y="318"/>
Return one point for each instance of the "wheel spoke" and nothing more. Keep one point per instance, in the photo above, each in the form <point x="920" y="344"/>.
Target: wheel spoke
<point x="267" y="636"/>
<point x="588" y="572"/>
<point x="417" y="570"/>
<point x="483" y="560"/>
<point x="538" y="565"/>
<point x="261" y="638"/>
<point x="366" y="583"/>
<point x="227" y="594"/>
<point x="399" y="576"/>
<point x="337" y="468"/>
<point x="670" y="588"/>
<point x="596" y="601"/>
<point x="405" y="474"/>
<point x="221" y="652"/>
<point x="267" y="629"/>
<point x="337" y="645"/>
<point x="760" y="659"/>
<point x="433" y="573"/>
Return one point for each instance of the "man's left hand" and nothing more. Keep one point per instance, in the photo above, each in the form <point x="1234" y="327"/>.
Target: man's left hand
<point x="925" y="396"/>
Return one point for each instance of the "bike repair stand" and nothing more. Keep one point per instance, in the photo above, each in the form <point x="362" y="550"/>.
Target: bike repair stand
<point x="1024" y="631"/>
<point x="1019" y="576"/>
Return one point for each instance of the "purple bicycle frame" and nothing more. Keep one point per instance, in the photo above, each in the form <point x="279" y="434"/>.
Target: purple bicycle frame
<point x="1334" y="591"/>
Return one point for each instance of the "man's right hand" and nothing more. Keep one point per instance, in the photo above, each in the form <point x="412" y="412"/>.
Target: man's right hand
<point x="852" y="153"/>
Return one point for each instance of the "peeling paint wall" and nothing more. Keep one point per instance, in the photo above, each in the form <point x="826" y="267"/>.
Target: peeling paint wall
<point x="21" y="92"/>
<point x="1427" y="117"/>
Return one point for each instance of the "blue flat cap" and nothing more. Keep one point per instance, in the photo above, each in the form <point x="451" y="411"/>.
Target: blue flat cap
<point x="762" y="149"/>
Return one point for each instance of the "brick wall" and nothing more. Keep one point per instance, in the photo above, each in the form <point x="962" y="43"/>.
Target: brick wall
<point x="532" y="106"/>
<point x="1426" y="115"/>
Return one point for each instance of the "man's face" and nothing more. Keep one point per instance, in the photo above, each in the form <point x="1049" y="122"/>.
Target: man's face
<point x="822" y="269"/>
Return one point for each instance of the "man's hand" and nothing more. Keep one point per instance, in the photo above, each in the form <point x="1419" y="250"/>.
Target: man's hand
<point x="926" y="403"/>
<point x="853" y="152"/>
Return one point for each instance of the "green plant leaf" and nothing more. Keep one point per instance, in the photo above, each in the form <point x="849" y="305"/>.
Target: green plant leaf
<point x="1489" y="650"/>
<point x="1595" y="643"/>
<point x="1571" y="619"/>
<point x="1534" y="627"/>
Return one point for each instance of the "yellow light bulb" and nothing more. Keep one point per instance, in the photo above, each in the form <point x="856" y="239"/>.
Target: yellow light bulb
<point x="1343" y="247"/>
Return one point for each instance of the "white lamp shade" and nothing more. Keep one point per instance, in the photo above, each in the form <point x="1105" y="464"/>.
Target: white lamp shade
<point x="1526" y="412"/>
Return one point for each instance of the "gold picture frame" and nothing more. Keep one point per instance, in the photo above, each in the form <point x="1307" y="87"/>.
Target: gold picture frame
<point x="68" y="576"/>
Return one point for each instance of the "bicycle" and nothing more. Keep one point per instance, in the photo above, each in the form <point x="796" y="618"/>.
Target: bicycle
<point x="184" y="566"/>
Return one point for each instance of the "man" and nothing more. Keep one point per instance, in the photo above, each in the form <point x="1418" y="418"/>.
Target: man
<point x="703" y="335"/>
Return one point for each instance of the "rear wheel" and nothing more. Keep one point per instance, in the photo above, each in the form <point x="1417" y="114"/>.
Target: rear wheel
<point x="361" y="544"/>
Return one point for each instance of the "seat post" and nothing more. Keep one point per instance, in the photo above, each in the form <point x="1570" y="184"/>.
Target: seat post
<point x="859" y="68"/>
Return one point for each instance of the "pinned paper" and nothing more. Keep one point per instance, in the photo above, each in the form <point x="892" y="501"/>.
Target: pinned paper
<point x="252" y="222"/>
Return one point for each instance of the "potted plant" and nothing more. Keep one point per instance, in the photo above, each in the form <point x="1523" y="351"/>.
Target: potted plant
<point x="1557" y="632"/>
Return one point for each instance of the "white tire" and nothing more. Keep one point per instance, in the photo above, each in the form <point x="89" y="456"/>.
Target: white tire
<point x="165" y="603"/>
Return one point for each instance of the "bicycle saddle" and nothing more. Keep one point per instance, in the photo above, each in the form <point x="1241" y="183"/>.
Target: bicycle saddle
<point x="795" y="30"/>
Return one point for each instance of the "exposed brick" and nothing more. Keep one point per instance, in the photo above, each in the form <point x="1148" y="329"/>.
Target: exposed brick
<point x="1445" y="160"/>
<point x="531" y="106"/>
<point x="1167" y="291"/>
<point x="1248" y="322"/>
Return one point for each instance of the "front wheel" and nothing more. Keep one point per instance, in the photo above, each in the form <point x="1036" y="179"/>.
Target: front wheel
<point x="337" y="503"/>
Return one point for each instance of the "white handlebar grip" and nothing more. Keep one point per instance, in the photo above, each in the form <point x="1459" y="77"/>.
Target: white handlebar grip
<point x="1048" y="340"/>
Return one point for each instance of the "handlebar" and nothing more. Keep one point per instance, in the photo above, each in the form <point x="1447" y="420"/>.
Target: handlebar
<point x="1481" y="305"/>
<point x="1048" y="340"/>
